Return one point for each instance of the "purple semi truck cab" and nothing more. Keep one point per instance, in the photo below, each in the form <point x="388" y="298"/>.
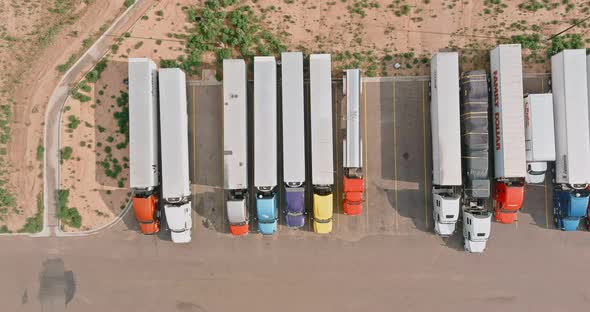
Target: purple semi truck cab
<point x="295" y="208"/>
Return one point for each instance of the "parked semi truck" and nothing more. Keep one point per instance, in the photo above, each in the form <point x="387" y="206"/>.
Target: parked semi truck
<point x="235" y="142"/>
<point x="477" y="219"/>
<point x="353" y="145"/>
<point x="293" y="137"/>
<point x="446" y="141"/>
<point x="176" y="190"/>
<point x="265" y="143"/>
<point x="508" y="125"/>
<point x="570" y="109"/>
<point x="322" y="160"/>
<point x="539" y="136"/>
<point x="143" y="142"/>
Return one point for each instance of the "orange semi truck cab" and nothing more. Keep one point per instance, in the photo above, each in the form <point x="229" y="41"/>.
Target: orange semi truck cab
<point x="508" y="198"/>
<point x="147" y="213"/>
<point x="353" y="195"/>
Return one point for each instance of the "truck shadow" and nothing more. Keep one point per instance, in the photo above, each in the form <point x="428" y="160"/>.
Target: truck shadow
<point x="538" y="201"/>
<point x="209" y="205"/>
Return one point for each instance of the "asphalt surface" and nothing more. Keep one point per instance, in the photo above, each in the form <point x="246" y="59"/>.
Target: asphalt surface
<point x="387" y="259"/>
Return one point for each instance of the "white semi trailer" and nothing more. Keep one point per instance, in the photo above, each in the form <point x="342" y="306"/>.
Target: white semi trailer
<point x="293" y="137"/>
<point x="144" y="166"/>
<point x="353" y="145"/>
<point x="322" y="154"/>
<point x="446" y="141"/>
<point x="235" y="145"/>
<point x="265" y="143"/>
<point x="539" y="135"/>
<point x="176" y="190"/>
<point x="508" y="122"/>
<point x="572" y="138"/>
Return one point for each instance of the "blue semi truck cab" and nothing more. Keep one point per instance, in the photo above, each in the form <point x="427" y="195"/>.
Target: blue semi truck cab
<point x="267" y="212"/>
<point x="569" y="207"/>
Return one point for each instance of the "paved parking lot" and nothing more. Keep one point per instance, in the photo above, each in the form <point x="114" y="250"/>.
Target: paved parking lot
<point x="386" y="259"/>
<point x="395" y="125"/>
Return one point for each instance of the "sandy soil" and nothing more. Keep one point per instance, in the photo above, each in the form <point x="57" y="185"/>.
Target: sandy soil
<point x="97" y="197"/>
<point x="313" y="26"/>
<point x="30" y="73"/>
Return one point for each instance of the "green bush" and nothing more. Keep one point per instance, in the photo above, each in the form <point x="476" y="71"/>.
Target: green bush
<point x="34" y="224"/>
<point x="40" y="151"/>
<point x="66" y="153"/>
<point x="69" y="216"/>
<point x="528" y="41"/>
<point x="168" y="63"/>
<point x="74" y="122"/>
<point x="128" y="3"/>
<point x="7" y="199"/>
<point x="64" y="67"/>
<point x="568" y="41"/>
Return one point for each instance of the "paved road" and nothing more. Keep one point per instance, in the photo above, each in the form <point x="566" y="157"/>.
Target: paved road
<point x="123" y="271"/>
<point x="56" y="102"/>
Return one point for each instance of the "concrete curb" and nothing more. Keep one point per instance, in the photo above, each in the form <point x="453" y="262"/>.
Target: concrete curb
<point x="114" y="222"/>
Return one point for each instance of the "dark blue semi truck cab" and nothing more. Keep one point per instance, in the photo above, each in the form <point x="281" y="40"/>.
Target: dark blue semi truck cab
<point x="569" y="207"/>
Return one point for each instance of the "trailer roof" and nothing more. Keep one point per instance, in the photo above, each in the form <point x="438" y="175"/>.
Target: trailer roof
<point x="570" y="108"/>
<point x="507" y="95"/>
<point x="445" y="119"/>
<point x="174" y="133"/>
<point x="353" y="144"/>
<point x="143" y="123"/>
<point x="293" y="117"/>
<point x="322" y="153"/>
<point x="265" y="121"/>
<point x="235" y="130"/>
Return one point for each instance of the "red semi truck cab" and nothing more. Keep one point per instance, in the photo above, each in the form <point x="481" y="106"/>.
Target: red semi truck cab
<point x="353" y="196"/>
<point x="146" y="213"/>
<point x="508" y="199"/>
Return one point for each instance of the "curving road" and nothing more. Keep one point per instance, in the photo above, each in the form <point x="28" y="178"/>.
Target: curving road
<point x="51" y="140"/>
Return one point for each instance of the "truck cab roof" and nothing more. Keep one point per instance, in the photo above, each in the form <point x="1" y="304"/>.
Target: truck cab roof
<point x="236" y="212"/>
<point x="179" y="222"/>
<point x="267" y="209"/>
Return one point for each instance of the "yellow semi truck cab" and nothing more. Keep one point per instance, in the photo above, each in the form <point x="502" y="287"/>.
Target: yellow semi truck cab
<point x="323" y="210"/>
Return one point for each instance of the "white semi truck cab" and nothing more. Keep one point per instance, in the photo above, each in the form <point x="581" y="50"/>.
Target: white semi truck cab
<point x="477" y="226"/>
<point x="447" y="202"/>
<point x="539" y="135"/>
<point x="178" y="218"/>
<point x="446" y="142"/>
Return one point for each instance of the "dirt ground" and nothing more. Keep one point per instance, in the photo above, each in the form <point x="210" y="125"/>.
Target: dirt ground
<point x="376" y="37"/>
<point x="98" y="197"/>
<point x="36" y="37"/>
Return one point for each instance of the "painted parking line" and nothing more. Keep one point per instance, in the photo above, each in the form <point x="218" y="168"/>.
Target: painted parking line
<point x="424" y="153"/>
<point x="194" y="117"/>
<point x="395" y="162"/>
<point x="221" y="159"/>
<point x="366" y="147"/>
<point x="337" y="121"/>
